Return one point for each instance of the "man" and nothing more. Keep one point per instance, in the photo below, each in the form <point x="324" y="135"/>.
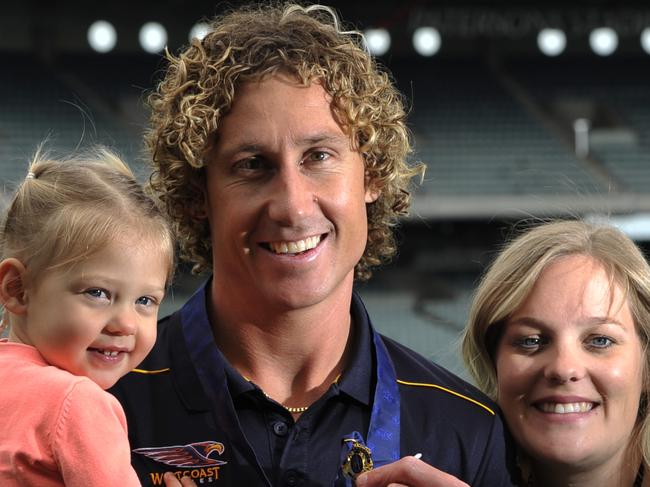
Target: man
<point x="280" y="154"/>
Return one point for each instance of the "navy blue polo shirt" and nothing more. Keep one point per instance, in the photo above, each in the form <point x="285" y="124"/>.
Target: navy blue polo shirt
<point x="189" y="411"/>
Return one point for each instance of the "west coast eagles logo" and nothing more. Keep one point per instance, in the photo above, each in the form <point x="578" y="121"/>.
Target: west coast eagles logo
<point x="197" y="458"/>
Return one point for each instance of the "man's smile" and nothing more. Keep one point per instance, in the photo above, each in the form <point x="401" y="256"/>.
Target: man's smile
<point x="293" y="247"/>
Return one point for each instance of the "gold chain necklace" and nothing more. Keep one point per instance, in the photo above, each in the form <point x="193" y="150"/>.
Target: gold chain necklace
<point x="292" y="410"/>
<point x="301" y="409"/>
<point x="296" y="410"/>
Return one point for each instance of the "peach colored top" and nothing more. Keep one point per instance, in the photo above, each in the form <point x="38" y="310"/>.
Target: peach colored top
<point x="57" y="428"/>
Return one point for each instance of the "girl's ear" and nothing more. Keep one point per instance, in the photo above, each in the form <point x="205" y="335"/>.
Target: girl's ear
<point x="12" y="286"/>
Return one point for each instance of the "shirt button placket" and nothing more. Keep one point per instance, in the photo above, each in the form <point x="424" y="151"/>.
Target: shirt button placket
<point x="280" y="428"/>
<point x="292" y="478"/>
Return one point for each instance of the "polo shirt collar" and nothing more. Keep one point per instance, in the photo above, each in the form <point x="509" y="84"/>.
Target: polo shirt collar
<point x="357" y="381"/>
<point x="358" y="378"/>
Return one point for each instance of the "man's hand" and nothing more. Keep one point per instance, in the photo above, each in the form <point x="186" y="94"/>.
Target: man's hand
<point x="172" y="481"/>
<point x="408" y="472"/>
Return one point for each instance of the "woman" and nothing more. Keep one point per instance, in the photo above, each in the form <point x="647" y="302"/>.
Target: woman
<point x="558" y="334"/>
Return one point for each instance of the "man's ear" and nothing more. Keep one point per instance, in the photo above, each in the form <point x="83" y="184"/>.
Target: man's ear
<point x="373" y="191"/>
<point x="372" y="195"/>
<point x="12" y="286"/>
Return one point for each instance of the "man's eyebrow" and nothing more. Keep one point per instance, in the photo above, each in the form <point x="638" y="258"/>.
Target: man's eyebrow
<point x="254" y="147"/>
<point x="323" y="137"/>
<point x="242" y="147"/>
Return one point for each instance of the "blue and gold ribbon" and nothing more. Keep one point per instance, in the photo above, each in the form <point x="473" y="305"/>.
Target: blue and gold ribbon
<point x="383" y="445"/>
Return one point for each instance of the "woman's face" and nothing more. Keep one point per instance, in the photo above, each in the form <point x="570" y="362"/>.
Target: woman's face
<point x="570" y="367"/>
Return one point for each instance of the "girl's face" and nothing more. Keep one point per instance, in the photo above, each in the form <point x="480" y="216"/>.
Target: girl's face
<point x="570" y="368"/>
<point x="98" y="318"/>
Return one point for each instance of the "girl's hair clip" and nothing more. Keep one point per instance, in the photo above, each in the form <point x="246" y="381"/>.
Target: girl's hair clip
<point x="30" y="175"/>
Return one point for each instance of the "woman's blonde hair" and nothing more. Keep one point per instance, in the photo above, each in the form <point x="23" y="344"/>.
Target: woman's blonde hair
<point x="247" y="45"/>
<point x="511" y="277"/>
<point x="68" y="209"/>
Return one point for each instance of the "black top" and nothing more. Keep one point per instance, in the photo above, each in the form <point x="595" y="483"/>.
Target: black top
<point x="190" y="412"/>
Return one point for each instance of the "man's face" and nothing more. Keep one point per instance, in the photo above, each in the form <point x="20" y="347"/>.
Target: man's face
<point x="286" y="199"/>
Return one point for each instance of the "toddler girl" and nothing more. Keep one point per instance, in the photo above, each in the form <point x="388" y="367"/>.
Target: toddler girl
<point x="86" y="258"/>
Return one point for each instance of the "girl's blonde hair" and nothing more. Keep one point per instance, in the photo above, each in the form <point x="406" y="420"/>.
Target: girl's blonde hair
<point x="67" y="209"/>
<point x="511" y="277"/>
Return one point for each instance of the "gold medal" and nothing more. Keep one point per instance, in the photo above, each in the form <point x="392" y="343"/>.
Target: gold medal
<point x="358" y="460"/>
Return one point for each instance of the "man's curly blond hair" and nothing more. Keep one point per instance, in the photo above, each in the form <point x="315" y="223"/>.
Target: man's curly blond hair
<point x="249" y="44"/>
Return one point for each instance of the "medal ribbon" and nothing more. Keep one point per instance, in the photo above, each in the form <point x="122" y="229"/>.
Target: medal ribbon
<point x="384" y="431"/>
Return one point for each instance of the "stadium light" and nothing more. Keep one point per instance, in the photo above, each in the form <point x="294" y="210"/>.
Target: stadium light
<point x="378" y="41"/>
<point x="551" y="42"/>
<point x="199" y="31"/>
<point x="153" y="37"/>
<point x="426" y="41"/>
<point x="603" y="41"/>
<point x="645" y="39"/>
<point x="102" y="36"/>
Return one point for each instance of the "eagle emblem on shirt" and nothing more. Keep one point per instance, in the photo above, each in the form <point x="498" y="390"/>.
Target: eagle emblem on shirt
<point x="192" y="455"/>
